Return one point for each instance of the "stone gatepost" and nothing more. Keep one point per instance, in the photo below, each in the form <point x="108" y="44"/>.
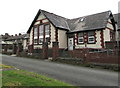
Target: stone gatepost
<point x="85" y="58"/>
<point x="5" y="48"/>
<point x="45" y="50"/>
<point x="55" y="50"/>
<point x="14" y="48"/>
<point x="31" y="48"/>
<point x="18" y="50"/>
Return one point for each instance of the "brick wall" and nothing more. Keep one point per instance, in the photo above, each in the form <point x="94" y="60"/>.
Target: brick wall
<point x="102" y="58"/>
<point x="111" y="44"/>
<point x="96" y="57"/>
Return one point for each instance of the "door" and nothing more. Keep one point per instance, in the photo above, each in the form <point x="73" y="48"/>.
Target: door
<point x="70" y="44"/>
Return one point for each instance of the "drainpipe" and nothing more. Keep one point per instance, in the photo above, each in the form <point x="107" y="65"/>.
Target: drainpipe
<point x="118" y="43"/>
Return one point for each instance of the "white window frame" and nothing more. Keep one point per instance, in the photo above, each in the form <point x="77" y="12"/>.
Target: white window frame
<point x="93" y="37"/>
<point x="80" y="37"/>
<point x="41" y="34"/>
<point x="47" y="34"/>
<point x="48" y="31"/>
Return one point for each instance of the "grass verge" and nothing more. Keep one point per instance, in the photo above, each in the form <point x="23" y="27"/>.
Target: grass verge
<point x="2" y="66"/>
<point x="24" y="78"/>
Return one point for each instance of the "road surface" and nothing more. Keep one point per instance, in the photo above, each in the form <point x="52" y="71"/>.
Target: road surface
<point x="78" y="76"/>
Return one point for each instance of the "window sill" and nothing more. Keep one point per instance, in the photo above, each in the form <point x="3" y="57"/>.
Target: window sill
<point x="91" y="43"/>
<point x="41" y="44"/>
<point x="80" y="43"/>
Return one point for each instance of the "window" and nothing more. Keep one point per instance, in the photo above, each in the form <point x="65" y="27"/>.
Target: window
<point x="81" y="19"/>
<point x="80" y="38"/>
<point x="41" y="32"/>
<point x="35" y="41"/>
<point x="47" y="33"/>
<point x="44" y="28"/>
<point x="35" y="35"/>
<point x="91" y="37"/>
<point x="47" y="30"/>
<point x="35" y="32"/>
<point x="40" y="40"/>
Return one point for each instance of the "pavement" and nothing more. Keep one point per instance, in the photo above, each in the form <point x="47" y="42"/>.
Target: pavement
<point x="78" y="76"/>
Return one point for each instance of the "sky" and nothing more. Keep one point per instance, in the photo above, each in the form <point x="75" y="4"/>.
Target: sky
<point x="17" y="15"/>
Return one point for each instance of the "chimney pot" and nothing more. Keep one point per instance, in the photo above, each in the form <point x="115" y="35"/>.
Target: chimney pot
<point x="19" y="33"/>
<point x="6" y="34"/>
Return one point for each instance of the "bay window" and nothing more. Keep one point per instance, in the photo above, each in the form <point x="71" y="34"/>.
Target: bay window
<point x="44" y="31"/>
<point x="91" y="37"/>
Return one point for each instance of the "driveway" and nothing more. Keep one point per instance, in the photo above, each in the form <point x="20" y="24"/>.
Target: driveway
<point x="79" y="76"/>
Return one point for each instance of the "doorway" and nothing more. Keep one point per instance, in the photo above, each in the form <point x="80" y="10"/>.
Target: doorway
<point x="70" y="44"/>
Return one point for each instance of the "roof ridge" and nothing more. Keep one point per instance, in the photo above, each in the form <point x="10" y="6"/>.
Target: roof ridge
<point x="53" y="14"/>
<point x="91" y="14"/>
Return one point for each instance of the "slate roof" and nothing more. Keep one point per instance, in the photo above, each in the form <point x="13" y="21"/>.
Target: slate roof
<point x="57" y="21"/>
<point x="117" y="19"/>
<point x="90" y="22"/>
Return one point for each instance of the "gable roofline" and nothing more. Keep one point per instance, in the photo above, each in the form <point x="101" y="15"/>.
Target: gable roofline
<point x="33" y="21"/>
<point x="91" y="14"/>
<point x="47" y="14"/>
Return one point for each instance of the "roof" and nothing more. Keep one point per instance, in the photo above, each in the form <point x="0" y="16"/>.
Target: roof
<point x="85" y="23"/>
<point x="57" y="21"/>
<point x="117" y="19"/>
<point x="90" y="22"/>
<point x="4" y="36"/>
<point x="17" y="37"/>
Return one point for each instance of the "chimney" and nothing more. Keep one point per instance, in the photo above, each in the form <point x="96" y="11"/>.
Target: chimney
<point x="19" y="34"/>
<point x="6" y="34"/>
<point x="15" y="34"/>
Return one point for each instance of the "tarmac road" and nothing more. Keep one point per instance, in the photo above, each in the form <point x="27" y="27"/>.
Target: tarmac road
<point x="79" y="76"/>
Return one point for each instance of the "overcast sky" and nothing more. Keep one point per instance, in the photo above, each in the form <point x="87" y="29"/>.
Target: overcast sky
<point x="17" y="15"/>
